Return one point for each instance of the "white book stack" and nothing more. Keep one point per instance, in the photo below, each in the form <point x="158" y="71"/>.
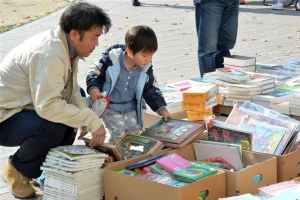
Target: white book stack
<point x="283" y="107"/>
<point x="275" y="97"/>
<point x="232" y="75"/>
<point x="242" y="63"/>
<point x="73" y="172"/>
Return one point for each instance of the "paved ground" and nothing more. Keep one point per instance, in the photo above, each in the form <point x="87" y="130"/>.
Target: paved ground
<point x="271" y="36"/>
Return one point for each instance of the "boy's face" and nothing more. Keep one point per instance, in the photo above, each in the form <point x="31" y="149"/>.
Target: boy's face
<point x="86" y="45"/>
<point x="142" y="58"/>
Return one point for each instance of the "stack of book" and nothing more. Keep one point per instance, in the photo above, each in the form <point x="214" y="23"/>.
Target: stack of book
<point x="199" y="100"/>
<point x="242" y="63"/>
<point x="73" y="172"/>
<point x="282" y="190"/>
<point x="292" y="66"/>
<point x="294" y="105"/>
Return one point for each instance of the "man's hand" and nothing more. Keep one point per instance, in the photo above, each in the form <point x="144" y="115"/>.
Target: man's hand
<point x="95" y="94"/>
<point x="166" y="115"/>
<point x="98" y="137"/>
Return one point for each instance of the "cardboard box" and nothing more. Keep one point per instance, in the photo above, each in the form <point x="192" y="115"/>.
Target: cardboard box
<point x="288" y="166"/>
<point x="120" y="186"/>
<point x="150" y="119"/>
<point x="262" y="167"/>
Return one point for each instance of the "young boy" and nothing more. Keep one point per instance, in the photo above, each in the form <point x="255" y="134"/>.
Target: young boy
<point x="125" y="73"/>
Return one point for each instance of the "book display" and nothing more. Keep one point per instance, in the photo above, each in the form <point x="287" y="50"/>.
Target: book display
<point x="73" y="172"/>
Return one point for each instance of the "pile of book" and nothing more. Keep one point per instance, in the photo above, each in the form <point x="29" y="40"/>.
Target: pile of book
<point x="73" y="172"/>
<point x="171" y="169"/>
<point x="241" y="63"/>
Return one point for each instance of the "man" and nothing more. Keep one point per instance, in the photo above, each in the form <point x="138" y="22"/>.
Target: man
<point x="40" y="101"/>
<point x="216" y="25"/>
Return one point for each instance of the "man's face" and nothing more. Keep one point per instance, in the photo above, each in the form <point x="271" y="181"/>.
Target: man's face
<point x="86" y="45"/>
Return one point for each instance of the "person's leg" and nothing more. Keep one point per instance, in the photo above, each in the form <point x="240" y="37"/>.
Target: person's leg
<point x="35" y="136"/>
<point x="227" y="33"/>
<point x="131" y="122"/>
<point x="114" y="123"/>
<point x="208" y="18"/>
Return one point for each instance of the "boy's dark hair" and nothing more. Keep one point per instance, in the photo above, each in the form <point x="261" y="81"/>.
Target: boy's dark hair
<point x="141" y="39"/>
<point x="83" y="16"/>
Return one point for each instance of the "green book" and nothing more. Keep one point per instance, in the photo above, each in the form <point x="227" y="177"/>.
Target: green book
<point x="193" y="173"/>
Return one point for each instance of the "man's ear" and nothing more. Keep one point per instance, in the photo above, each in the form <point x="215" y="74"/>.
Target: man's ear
<point x="73" y="33"/>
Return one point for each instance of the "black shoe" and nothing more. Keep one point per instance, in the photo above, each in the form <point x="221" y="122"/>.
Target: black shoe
<point x="136" y="3"/>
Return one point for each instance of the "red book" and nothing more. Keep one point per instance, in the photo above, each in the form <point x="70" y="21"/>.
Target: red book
<point x="173" y="163"/>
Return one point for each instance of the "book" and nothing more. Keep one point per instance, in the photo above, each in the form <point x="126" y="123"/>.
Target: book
<point x="259" y="80"/>
<point x="277" y="188"/>
<point x="292" y="193"/>
<point x="239" y="113"/>
<point x="232" y="75"/>
<point x="128" y="172"/>
<point x="266" y="137"/>
<point x="250" y="68"/>
<point x="146" y="162"/>
<point x="131" y="145"/>
<point x="74" y="152"/>
<point x="107" y="148"/>
<point x="218" y="153"/>
<point x="173" y="130"/>
<point x="246" y="196"/>
<point x="276" y="96"/>
<point x="158" y="170"/>
<point x="173" y="163"/>
<point x="222" y="132"/>
<point x="200" y="93"/>
<point x="193" y="173"/>
<point x="182" y="85"/>
<point x="239" y="60"/>
<point x="291" y="65"/>
<point x="201" y="106"/>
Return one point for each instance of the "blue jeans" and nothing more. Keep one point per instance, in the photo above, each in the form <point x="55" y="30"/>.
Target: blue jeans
<point x="216" y="24"/>
<point x="35" y="136"/>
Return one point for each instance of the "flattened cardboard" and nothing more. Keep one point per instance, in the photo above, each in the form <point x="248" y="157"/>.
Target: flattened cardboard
<point x="119" y="186"/>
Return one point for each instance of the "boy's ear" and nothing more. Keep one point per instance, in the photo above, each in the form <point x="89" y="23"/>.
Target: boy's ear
<point x="129" y="52"/>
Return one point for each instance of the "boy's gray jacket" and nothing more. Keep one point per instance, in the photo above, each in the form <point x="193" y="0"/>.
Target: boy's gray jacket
<point x="146" y="88"/>
<point x="37" y="75"/>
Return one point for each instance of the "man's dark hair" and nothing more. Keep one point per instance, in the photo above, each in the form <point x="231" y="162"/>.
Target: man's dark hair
<point x="141" y="39"/>
<point x="83" y="16"/>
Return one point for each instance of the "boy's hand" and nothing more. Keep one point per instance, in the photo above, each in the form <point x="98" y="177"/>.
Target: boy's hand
<point x="95" y="94"/>
<point x="166" y="115"/>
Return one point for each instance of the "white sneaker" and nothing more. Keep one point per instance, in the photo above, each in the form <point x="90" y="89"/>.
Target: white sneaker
<point x="277" y="6"/>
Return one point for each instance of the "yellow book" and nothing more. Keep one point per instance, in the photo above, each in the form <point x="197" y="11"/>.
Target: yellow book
<point x="200" y="93"/>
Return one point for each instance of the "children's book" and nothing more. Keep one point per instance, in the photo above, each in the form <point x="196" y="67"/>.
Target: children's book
<point x="246" y="196"/>
<point x="259" y="80"/>
<point x="131" y="145"/>
<point x="182" y="85"/>
<point x="239" y="60"/>
<point x="74" y="152"/>
<point x="277" y="188"/>
<point x="158" y="170"/>
<point x="128" y="172"/>
<point x="221" y="132"/>
<point x="290" y="194"/>
<point x="173" y="163"/>
<point x="238" y="113"/>
<point x="212" y="153"/>
<point x="193" y="173"/>
<point x="266" y="137"/>
<point x="107" y="148"/>
<point x="173" y="130"/>
<point x="146" y="162"/>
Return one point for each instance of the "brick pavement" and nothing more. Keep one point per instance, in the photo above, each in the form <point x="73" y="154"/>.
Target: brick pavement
<point x="272" y="36"/>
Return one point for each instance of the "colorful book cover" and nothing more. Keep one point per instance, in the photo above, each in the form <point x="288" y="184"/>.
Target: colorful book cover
<point x="193" y="173"/>
<point x="173" y="163"/>
<point x="219" y="159"/>
<point x="266" y="137"/>
<point x="131" y="145"/>
<point x="173" y="130"/>
<point x="128" y="172"/>
<point x="146" y="162"/>
<point x="222" y="132"/>
<point x="158" y="170"/>
<point x="238" y="113"/>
